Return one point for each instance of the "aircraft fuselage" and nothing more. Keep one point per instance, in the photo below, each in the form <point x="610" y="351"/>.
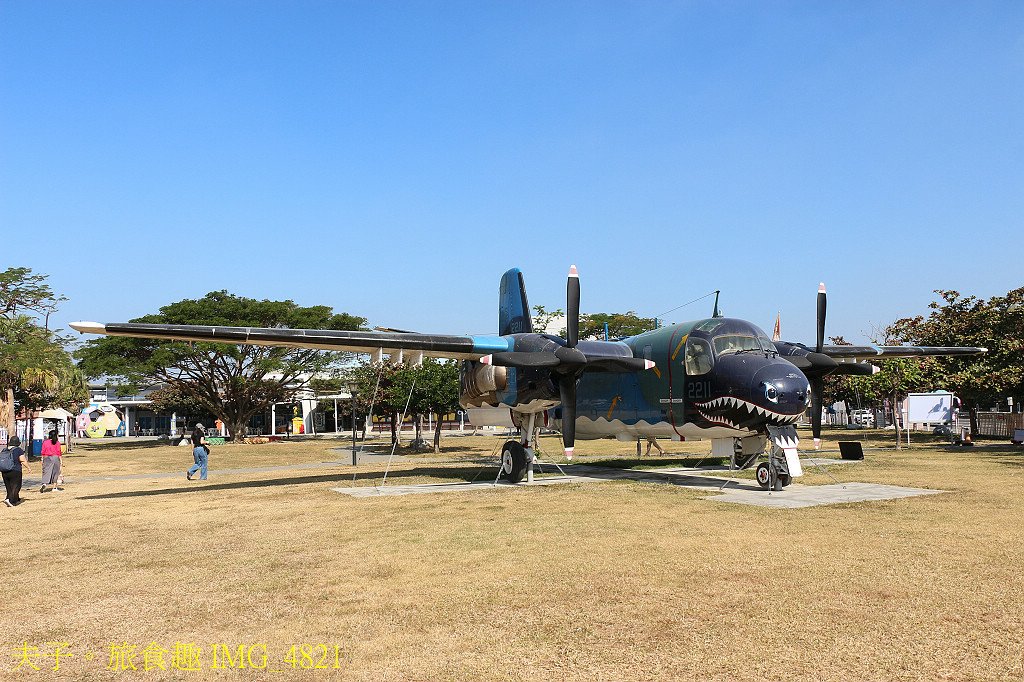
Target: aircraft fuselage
<point x="713" y="378"/>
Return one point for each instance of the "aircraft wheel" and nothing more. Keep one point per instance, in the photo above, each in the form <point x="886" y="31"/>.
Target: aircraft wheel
<point x="784" y="480"/>
<point x="513" y="461"/>
<point x="764" y="475"/>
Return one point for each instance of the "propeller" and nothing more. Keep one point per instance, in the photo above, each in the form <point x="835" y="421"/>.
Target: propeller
<point x="567" y="379"/>
<point x="567" y="363"/>
<point x="819" y="368"/>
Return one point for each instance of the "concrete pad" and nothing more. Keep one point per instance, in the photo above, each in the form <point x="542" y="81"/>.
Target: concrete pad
<point x="737" y="491"/>
<point x="796" y="496"/>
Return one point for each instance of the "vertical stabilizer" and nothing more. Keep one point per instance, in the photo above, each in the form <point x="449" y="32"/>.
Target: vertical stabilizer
<point x="513" y="308"/>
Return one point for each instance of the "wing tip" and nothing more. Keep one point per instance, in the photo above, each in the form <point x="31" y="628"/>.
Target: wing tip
<point x="85" y="327"/>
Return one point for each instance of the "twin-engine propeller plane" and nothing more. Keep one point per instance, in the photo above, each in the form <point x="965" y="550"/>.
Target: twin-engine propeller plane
<point x="718" y="378"/>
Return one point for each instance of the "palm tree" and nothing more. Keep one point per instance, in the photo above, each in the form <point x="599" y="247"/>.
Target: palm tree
<point x="35" y="367"/>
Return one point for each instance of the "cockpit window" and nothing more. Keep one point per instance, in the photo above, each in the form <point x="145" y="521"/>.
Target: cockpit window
<point x="767" y="345"/>
<point x="735" y="343"/>
<point x="698" y="358"/>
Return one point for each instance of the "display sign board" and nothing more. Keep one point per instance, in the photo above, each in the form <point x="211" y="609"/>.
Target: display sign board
<point x="930" y="408"/>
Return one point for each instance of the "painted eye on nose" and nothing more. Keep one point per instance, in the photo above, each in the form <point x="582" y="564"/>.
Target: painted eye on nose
<point x="771" y="393"/>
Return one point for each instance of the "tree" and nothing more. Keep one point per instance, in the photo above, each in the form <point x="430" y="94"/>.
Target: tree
<point x="542" y="318"/>
<point x="233" y="383"/>
<point x="23" y="292"/>
<point x="996" y="324"/>
<point x="172" y="399"/>
<point x="431" y="388"/>
<point x="592" y="324"/>
<point x="35" y="368"/>
<point x="437" y="392"/>
<point x="374" y="383"/>
<point x="619" y="325"/>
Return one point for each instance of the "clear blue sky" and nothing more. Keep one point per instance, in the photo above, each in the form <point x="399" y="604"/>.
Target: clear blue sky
<point x="392" y="159"/>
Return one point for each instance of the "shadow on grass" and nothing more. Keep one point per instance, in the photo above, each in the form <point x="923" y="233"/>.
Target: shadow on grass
<point x="631" y="462"/>
<point x="120" y="445"/>
<point x="465" y="475"/>
<point x="1011" y="455"/>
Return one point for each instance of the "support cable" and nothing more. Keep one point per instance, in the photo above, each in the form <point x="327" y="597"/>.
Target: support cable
<point x="395" y="444"/>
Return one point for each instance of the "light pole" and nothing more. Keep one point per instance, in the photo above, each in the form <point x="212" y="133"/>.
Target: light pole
<point x="355" y="452"/>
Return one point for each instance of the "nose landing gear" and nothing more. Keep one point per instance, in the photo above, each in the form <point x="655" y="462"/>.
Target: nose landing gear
<point x="773" y="474"/>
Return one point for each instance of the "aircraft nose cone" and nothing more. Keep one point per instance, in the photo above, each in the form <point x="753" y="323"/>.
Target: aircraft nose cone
<point x="781" y="388"/>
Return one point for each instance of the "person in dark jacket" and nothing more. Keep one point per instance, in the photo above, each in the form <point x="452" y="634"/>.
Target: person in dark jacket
<point x="12" y="479"/>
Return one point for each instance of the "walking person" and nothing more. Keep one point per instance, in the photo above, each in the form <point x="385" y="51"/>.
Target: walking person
<point x="52" y="461"/>
<point x="651" y="440"/>
<point x="200" y="453"/>
<point x="12" y="478"/>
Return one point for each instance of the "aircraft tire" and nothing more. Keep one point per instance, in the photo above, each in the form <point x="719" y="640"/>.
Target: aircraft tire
<point x="513" y="461"/>
<point x="764" y="475"/>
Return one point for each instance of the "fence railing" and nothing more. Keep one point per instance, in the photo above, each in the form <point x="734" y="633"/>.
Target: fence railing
<point x="996" y="424"/>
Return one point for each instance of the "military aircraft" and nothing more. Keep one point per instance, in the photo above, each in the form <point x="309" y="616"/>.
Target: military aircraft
<point x="717" y="378"/>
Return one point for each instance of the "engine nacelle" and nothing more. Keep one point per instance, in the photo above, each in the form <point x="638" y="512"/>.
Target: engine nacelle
<point x="479" y="384"/>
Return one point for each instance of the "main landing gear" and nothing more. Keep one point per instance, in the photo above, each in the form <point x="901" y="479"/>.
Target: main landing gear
<point x="515" y="461"/>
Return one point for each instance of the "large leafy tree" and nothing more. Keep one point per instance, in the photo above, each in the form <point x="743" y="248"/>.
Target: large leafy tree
<point x="35" y="369"/>
<point x="232" y="382"/>
<point x="895" y="378"/>
<point x="957" y="320"/>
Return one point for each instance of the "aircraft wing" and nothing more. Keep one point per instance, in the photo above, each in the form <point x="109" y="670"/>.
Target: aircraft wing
<point x="377" y="343"/>
<point x="883" y="352"/>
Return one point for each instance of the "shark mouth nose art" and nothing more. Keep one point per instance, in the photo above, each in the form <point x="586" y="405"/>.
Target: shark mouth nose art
<point x="732" y="412"/>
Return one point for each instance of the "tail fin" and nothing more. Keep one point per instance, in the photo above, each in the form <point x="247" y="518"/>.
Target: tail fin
<point x="513" y="308"/>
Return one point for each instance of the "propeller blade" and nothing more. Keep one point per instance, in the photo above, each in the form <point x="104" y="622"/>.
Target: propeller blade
<point x="525" y="360"/>
<point x="572" y="308"/>
<point x="817" y="388"/>
<point x="822" y="305"/>
<point x="567" y="393"/>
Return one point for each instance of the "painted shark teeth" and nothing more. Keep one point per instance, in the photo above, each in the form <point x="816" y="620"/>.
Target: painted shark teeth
<point x="744" y="409"/>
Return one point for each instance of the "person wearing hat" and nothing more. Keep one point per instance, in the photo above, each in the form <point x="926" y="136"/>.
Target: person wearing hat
<point x="200" y="453"/>
<point x="12" y="478"/>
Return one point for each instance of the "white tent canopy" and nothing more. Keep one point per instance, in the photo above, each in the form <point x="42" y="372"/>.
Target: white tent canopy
<point x="58" y="413"/>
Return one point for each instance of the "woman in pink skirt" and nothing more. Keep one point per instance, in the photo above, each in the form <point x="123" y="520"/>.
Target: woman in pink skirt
<point x="51" y="463"/>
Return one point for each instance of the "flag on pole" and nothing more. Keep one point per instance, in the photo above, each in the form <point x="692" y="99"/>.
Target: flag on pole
<point x="777" y="334"/>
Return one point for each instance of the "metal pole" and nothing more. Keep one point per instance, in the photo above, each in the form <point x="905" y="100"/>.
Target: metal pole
<point x="355" y="453"/>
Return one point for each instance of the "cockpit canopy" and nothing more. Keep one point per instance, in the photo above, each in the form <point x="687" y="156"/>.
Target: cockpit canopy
<point x="723" y="337"/>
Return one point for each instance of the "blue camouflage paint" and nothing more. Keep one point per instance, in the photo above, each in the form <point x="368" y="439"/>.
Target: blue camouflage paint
<point x="492" y="344"/>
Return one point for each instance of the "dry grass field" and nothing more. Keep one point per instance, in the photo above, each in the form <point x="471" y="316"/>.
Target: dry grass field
<point x="610" y="581"/>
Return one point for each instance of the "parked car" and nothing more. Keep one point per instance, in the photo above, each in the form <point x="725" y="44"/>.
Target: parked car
<point x="863" y="417"/>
